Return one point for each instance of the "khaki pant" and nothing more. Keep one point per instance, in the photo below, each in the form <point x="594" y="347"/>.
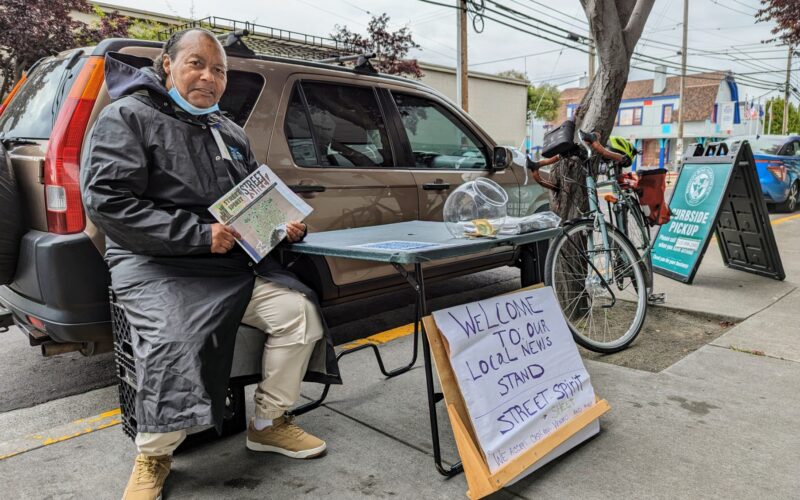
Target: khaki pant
<point x="293" y="325"/>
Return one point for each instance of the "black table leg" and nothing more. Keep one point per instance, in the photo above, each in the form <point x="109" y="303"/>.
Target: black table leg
<point x="387" y="373"/>
<point x="433" y="396"/>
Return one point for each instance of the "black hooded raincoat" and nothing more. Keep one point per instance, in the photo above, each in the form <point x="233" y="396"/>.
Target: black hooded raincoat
<point x="148" y="175"/>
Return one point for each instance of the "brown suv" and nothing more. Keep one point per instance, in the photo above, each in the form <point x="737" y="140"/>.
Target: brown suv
<point x="361" y="148"/>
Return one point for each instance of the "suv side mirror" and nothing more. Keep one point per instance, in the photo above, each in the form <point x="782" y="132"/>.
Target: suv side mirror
<point x="502" y="157"/>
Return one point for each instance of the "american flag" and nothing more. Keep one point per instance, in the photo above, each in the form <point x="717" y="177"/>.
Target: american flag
<point x="753" y="111"/>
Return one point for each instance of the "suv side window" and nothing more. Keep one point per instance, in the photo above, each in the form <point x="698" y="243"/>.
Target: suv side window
<point x="347" y="127"/>
<point x="297" y="130"/>
<point x="241" y="94"/>
<point x="438" y="139"/>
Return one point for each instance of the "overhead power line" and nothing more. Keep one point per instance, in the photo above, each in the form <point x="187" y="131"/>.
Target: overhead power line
<point x="516" y="57"/>
<point x="717" y="2"/>
<point x="581" y="44"/>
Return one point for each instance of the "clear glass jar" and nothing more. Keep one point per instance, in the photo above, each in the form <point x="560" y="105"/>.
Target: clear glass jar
<point x="477" y="206"/>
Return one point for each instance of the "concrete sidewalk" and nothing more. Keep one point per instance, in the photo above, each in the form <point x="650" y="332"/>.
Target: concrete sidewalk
<point x="720" y="423"/>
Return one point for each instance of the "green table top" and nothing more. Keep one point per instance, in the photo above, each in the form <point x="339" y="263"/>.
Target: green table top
<point x="405" y="242"/>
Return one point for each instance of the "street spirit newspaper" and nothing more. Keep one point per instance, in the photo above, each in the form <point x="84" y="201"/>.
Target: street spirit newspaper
<point x="259" y="208"/>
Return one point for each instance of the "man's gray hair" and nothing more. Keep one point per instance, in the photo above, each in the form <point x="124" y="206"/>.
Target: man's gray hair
<point x="172" y="46"/>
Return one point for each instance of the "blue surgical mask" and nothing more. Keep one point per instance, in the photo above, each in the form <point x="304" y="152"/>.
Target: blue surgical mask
<point x="186" y="105"/>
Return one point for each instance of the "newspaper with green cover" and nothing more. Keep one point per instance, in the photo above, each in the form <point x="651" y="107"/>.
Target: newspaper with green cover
<point x="259" y="208"/>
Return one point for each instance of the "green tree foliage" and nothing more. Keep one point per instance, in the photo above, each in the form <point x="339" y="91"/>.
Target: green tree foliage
<point x="144" y="30"/>
<point x="110" y="25"/>
<point x="777" y="116"/>
<point x="543" y="102"/>
<point x="512" y="73"/>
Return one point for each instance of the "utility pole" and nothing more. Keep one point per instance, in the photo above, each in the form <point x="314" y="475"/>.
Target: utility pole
<point x="785" y="127"/>
<point x="591" y="60"/>
<point x="769" y="131"/>
<point x="681" y="107"/>
<point x="462" y="83"/>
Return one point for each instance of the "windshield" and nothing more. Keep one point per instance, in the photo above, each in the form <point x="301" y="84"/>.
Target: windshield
<point x="32" y="112"/>
<point x="768" y="145"/>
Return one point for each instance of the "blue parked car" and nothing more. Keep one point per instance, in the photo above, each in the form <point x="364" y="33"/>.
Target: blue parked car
<point x="778" y="163"/>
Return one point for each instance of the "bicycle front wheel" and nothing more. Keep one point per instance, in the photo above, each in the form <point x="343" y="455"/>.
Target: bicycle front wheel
<point x="600" y="286"/>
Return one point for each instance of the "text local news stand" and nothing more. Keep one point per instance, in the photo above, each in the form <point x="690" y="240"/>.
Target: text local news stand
<point x="349" y="243"/>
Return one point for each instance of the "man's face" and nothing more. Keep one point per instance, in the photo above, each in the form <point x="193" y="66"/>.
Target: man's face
<point x="198" y="70"/>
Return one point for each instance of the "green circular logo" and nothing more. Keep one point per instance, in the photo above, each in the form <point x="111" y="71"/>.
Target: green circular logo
<point x="700" y="185"/>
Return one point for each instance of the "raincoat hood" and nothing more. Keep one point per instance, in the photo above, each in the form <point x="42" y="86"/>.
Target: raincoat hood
<point x="126" y="74"/>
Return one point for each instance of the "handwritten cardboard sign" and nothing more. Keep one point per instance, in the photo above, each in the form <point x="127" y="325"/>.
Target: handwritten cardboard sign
<point x="518" y="370"/>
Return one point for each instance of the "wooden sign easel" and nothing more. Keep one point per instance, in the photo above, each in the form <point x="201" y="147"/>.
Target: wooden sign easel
<point x="480" y="481"/>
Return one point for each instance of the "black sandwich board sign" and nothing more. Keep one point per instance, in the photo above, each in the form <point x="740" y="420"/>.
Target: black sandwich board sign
<point x="717" y="191"/>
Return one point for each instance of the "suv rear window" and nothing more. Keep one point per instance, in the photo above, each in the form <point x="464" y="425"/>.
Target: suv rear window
<point x="768" y="145"/>
<point x="241" y="94"/>
<point x="33" y="111"/>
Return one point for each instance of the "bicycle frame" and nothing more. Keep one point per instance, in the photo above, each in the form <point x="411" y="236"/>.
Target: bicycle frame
<point x="592" y="187"/>
<point x="600" y="223"/>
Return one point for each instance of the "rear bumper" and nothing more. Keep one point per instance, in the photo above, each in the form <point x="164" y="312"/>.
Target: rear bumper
<point x="774" y="192"/>
<point x="62" y="281"/>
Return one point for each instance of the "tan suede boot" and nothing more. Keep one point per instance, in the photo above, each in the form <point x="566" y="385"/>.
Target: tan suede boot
<point x="147" y="478"/>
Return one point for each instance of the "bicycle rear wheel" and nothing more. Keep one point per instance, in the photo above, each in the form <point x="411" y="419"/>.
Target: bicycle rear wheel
<point x="600" y="288"/>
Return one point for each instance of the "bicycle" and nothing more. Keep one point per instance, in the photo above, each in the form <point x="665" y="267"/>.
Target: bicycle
<point x="626" y="214"/>
<point x="598" y="275"/>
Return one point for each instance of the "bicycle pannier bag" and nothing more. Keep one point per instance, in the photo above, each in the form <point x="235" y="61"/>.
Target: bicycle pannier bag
<point x="559" y="140"/>
<point x="652" y="185"/>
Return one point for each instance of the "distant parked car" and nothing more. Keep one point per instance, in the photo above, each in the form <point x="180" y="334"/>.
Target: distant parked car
<point x="778" y="163"/>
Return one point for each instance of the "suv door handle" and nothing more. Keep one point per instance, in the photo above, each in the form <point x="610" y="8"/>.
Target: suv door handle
<point x="305" y="188"/>
<point x="436" y="186"/>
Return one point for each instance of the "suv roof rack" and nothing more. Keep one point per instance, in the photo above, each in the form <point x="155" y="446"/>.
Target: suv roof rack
<point x="362" y="62"/>
<point x="243" y="38"/>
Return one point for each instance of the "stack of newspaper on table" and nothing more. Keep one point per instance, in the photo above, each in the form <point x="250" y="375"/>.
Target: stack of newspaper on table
<point x="259" y="208"/>
<point x="530" y="223"/>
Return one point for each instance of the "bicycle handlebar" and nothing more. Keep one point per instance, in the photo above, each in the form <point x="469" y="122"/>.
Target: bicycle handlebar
<point x="593" y="140"/>
<point x="536" y="165"/>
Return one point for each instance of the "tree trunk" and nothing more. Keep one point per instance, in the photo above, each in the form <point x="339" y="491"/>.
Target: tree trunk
<point x="616" y="26"/>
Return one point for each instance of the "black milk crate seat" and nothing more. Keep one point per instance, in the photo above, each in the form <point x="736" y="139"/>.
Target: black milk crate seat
<point x="246" y="369"/>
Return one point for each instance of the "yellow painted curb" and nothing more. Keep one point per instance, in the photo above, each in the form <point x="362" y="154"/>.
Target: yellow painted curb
<point x="383" y="337"/>
<point x="781" y="220"/>
<point x="58" y="434"/>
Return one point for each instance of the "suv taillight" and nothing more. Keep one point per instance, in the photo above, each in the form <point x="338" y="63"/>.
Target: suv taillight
<point x="63" y="158"/>
<point x="12" y="93"/>
<point x="777" y="169"/>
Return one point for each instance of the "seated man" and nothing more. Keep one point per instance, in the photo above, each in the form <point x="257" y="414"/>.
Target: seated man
<point x="152" y="167"/>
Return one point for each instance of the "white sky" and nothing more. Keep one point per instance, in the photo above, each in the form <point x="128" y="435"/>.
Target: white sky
<point x="726" y="28"/>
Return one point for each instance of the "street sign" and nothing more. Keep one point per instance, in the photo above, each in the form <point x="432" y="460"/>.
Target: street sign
<point x="717" y="191"/>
